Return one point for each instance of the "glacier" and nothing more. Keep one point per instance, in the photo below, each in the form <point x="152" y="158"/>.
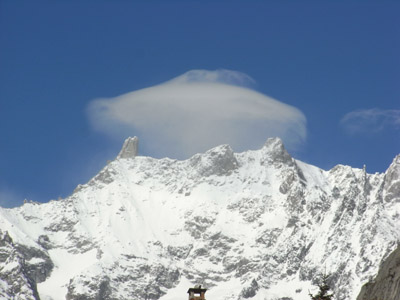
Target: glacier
<point x="253" y="225"/>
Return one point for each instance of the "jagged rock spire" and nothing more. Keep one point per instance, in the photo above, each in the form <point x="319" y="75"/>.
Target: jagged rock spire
<point x="276" y="151"/>
<point x="130" y="148"/>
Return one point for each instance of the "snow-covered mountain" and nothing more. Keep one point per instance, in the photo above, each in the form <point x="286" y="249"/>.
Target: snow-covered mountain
<point x="257" y="224"/>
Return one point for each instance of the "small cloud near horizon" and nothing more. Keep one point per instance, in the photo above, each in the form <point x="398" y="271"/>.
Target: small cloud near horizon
<point x="197" y="111"/>
<point x="369" y="121"/>
<point x="9" y="198"/>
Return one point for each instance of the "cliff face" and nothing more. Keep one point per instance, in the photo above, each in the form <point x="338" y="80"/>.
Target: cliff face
<point x="386" y="285"/>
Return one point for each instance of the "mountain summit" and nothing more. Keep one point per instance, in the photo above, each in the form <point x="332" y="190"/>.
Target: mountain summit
<point x="258" y="224"/>
<point x="130" y="148"/>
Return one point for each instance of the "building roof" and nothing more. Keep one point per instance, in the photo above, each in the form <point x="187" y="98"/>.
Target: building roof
<point x="196" y="289"/>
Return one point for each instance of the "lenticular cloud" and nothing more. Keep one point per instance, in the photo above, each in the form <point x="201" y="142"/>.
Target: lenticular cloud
<point x="196" y="111"/>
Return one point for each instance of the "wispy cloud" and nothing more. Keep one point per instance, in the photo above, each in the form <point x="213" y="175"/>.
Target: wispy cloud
<point x="370" y="120"/>
<point x="196" y="111"/>
<point x="9" y="197"/>
<point x="221" y="76"/>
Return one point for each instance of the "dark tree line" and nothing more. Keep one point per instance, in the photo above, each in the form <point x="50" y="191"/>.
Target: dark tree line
<point x="323" y="293"/>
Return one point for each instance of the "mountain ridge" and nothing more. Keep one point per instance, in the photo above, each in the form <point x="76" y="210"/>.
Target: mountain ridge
<point x="257" y="224"/>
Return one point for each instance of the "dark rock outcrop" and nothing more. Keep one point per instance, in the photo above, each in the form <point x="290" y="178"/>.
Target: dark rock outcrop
<point x="21" y="268"/>
<point x="386" y="285"/>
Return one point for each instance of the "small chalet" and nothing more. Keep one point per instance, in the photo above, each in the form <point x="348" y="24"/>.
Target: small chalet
<point x="196" y="293"/>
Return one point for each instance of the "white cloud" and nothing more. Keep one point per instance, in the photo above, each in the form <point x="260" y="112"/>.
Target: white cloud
<point x="370" y="120"/>
<point x="196" y="111"/>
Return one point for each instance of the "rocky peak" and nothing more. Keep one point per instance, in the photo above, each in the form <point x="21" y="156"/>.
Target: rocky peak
<point x="393" y="172"/>
<point x="217" y="161"/>
<point x="129" y="148"/>
<point x="276" y="152"/>
<point x="392" y="180"/>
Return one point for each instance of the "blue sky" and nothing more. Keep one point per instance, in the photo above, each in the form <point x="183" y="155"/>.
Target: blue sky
<point x="333" y="68"/>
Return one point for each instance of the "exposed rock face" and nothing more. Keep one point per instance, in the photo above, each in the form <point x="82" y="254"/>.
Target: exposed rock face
<point x="257" y="224"/>
<point x="217" y="161"/>
<point x="392" y="181"/>
<point x="21" y="268"/>
<point x="275" y="152"/>
<point x="251" y="291"/>
<point x="130" y="148"/>
<point x="386" y="285"/>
